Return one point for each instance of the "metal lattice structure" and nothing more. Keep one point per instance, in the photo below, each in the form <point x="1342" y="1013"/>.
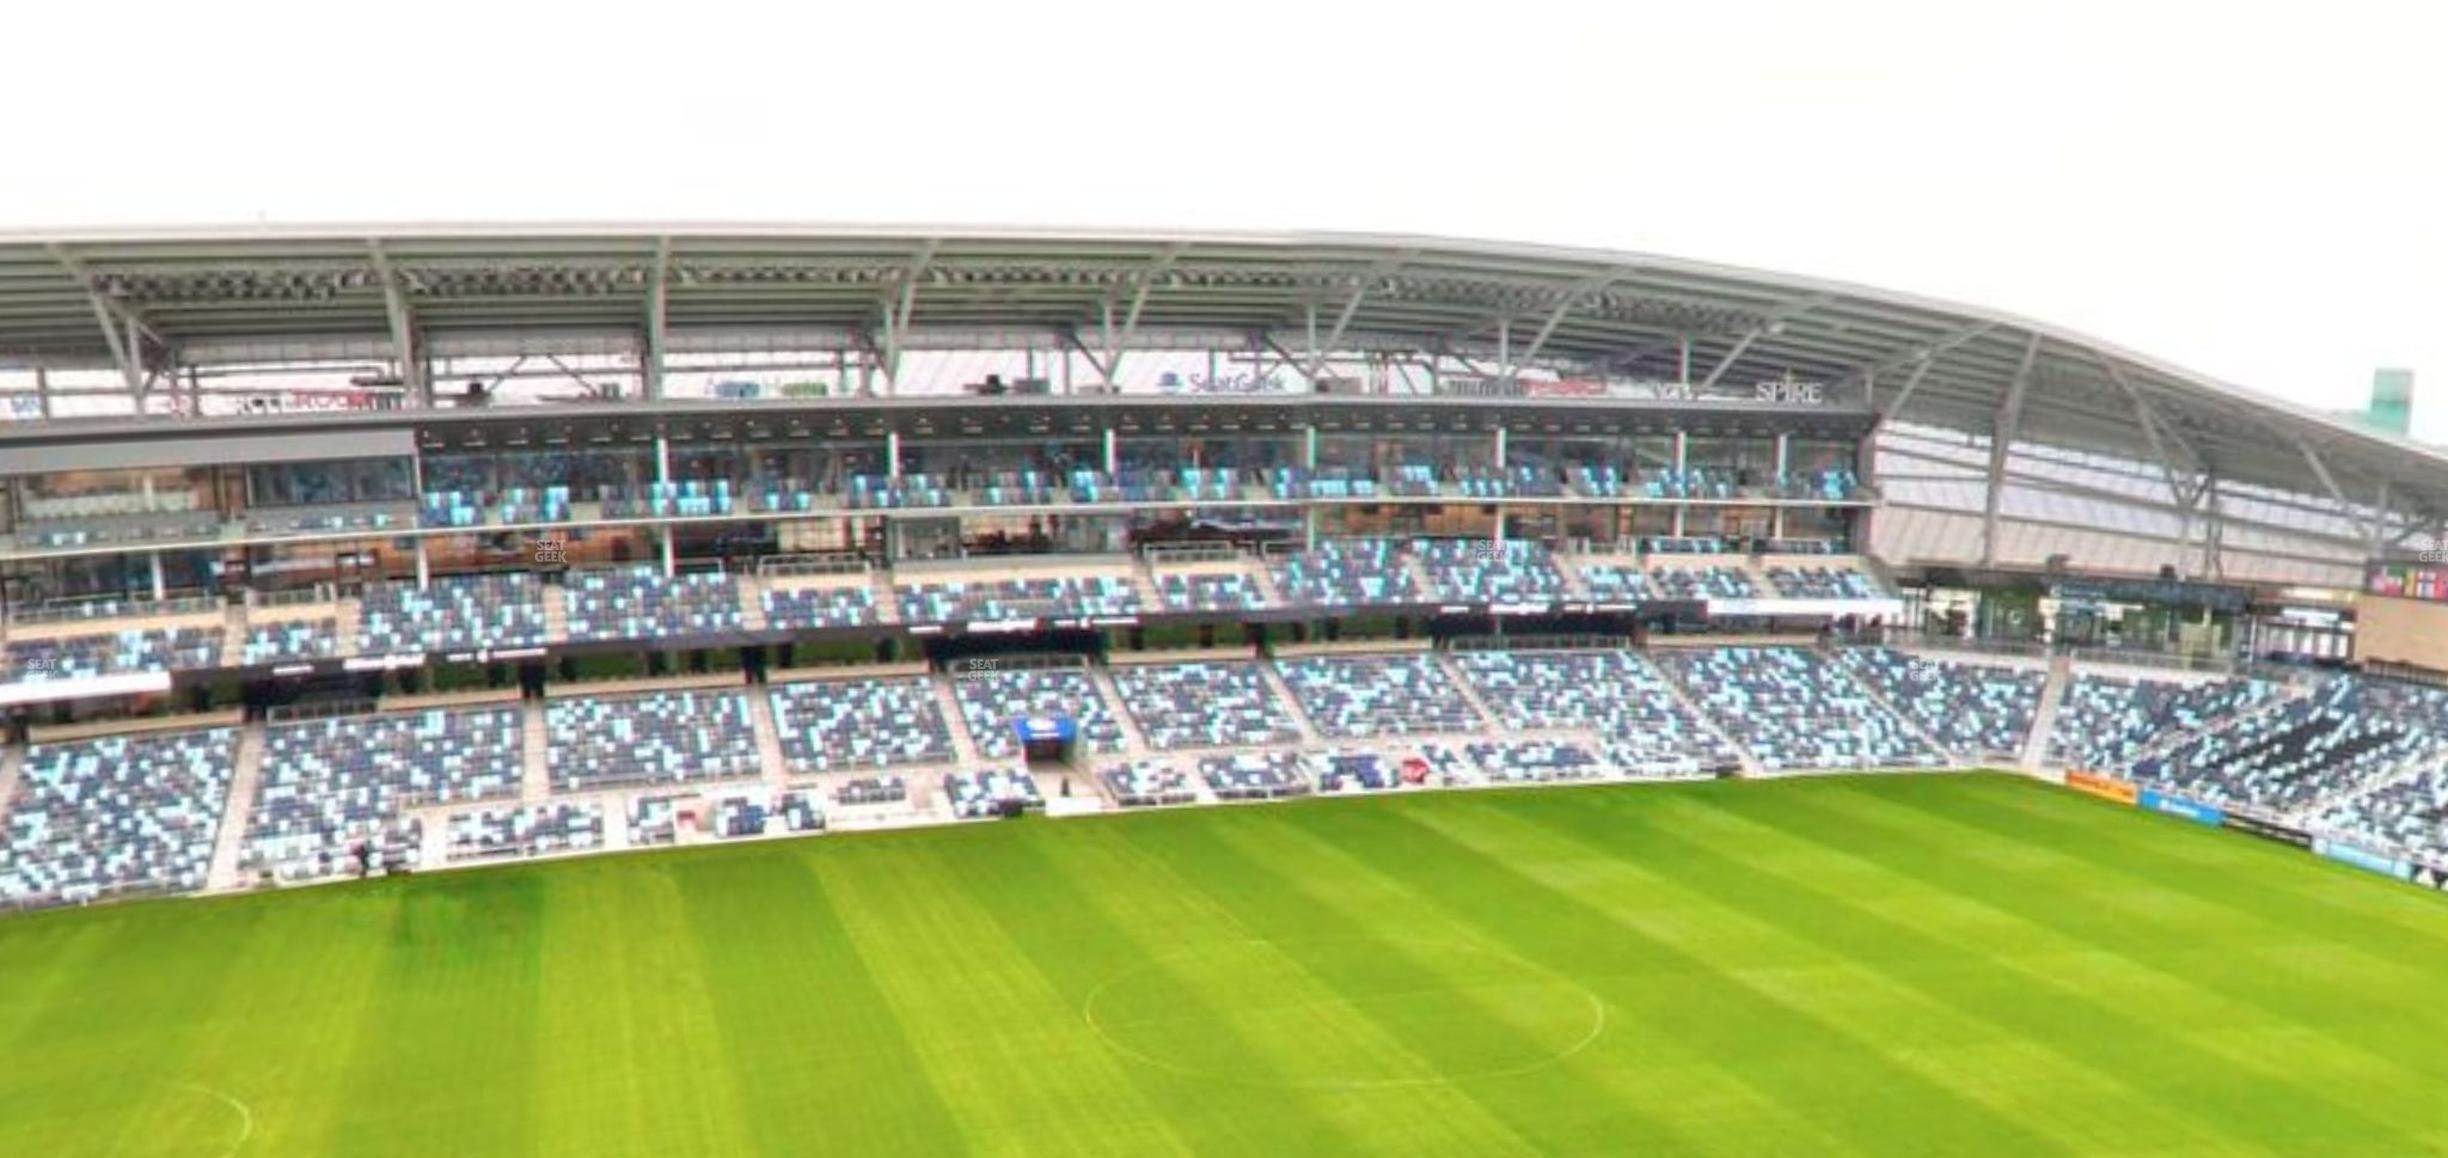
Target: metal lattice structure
<point x="1983" y="409"/>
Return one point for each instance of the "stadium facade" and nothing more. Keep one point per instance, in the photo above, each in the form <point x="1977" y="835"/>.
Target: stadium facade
<point x="291" y="475"/>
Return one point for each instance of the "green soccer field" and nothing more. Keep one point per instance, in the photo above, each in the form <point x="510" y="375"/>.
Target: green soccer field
<point x="1902" y="965"/>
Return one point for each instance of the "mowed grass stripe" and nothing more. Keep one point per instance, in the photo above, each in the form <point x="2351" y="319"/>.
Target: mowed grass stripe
<point x="632" y="1054"/>
<point x="1086" y="913"/>
<point x="1012" y="1060"/>
<point x="1841" y="1081"/>
<point x="815" y="1054"/>
<point x="2369" y="1029"/>
<point x="102" y="1070"/>
<point x="2336" y="901"/>
<point x="1629" y="1091"/>
<point x="2298" y="962"/>
<point x="288" y="1004"/>
<point x="1283" y="883"/>
<point x="1967" y="1050"/>
<point x="2214" y="1086"/>
<point x="444" y="1058"/>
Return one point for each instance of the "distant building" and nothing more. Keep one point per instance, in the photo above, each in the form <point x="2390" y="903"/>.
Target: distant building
<point x="2392" y="402"/>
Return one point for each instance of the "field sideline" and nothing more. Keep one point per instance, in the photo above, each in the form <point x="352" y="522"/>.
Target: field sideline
<point x="1846" y="965"/>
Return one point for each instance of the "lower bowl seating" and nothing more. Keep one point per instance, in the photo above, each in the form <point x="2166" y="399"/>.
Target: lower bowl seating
<point x="1350" y="697"/>
<point x="532" y="830"/>
<point x="1976" y="711"/>
<point x="115" y="815"/>
<point x="1147" y="783"/>
<point x="827" y="725"/>
<point x="1337" y="771"/>
<point x="1614" y="693"/>
<point x="1793" y="710"/>
<point x="331" y="785"/>
<point x="872" y="790"/>
<point x="2106" y="722"/>
<point x="664" y="737"/>
<point x="1203" y="705"/>
<point x="974" y="795"/>
<point x="1254" y="776"/>
<point x="796" y="811"/>
<point x="990" y="701"/>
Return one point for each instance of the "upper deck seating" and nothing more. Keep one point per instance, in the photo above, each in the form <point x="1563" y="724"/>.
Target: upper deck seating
<point x="1347" y="573"/>
<point x="643" y="603"/>
<point x="465" y="613"/>
<point x="1479" y="571"/>
<point x="992" y="600"/>
<point x="72" y="657"/>
<point x="839" y="605"/>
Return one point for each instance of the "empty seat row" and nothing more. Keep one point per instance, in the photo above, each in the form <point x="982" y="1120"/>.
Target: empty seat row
<point x="643" y="603"/>
<point x="1205" y="704"/>
<point x="330" y="785"/>
<point x="662" y="737"/>
<point x="827" y="725"/>
<point x="460" y="613"/>
<point x="1794" y="710"/>
<point x="115" y="815"/>
<point x="1360" y="696"/>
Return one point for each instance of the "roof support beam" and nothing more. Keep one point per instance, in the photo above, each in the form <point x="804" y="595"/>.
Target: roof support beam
<point x="1923" y="354"/>
<point x="123" y="329"/>
<point x="1727" y="363"/>
<point x="2368" y="530"/>
<point x="658" y="300"/>
<point x="898" y="308"/>
<point x="2001" y="436"/>
<point x="403" y="325"/>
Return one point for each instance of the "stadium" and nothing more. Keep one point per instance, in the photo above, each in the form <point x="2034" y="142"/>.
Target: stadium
<point x="1052" y="691"/>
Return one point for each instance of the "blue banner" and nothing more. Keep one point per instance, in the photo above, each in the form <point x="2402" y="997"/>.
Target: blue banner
<point x="2387" y="866"/>
<point x="2179" y="806"/>
<point x="1033" y="729"/>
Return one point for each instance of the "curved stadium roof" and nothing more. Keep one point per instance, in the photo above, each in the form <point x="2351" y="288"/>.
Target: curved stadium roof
<point x="1920" y="362"/>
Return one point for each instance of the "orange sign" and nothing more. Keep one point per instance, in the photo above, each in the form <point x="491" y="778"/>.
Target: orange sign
<point x="2108" y="787"/>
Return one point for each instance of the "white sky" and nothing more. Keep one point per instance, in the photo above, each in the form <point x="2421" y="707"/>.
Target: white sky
<point x="2252" y="190"/>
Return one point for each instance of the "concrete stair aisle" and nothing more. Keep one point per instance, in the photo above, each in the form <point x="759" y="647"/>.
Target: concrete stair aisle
<point x="556" y="613"/>
<point x="2044" y="718"/>
<point x="1134" y="742"/>
<point x="535" y="747"/>
<point x="1310" y="735"/>
<point x="1903" y="717"/>
<point x="887" y="604"/>
<point x="234" y="627"/>
<point x="2405" y="769"/>
<point x="964" y="746"/>
<point x="346" y="616"/>
<point x="1488" y="717"/>
<point x="12" y="758"/>
<point x="245" y="784"/>
<point x="768" y="735"/>
<point x="1673" y="684"/>
<point x="752" y="601"/>
<point x="434" y="851"/>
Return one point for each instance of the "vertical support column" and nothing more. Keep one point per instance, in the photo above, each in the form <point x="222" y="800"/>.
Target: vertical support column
<point x="892" y="455"/>
<point x="1309" y="447"/>
<point x="1110" y="455"/>
<point x="671" y="550"/>
<point x="1682" y="456"/>
<point x="1776" y="516"/>
<point x="663" y="485"/>
<point x="1682" y="447"/>
<point x="42" y="391"/>
<point x="424" y="561"/>
<point x="1500" y="447"/>
<point x="1212" y="359"/>
<point x="161" y="590"/>
<point x="1683" y="362"/>
<point x="1504" y="348"/>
